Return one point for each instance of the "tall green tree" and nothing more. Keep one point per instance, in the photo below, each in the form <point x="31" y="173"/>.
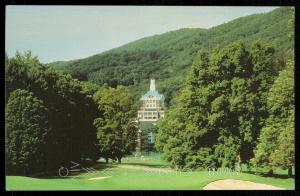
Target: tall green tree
<point x="72" y="136"/>
<point x="178" y="136"/>
<point x="276" y="142"/>
<point x="213" y="121"/>
<point x="117" y="131"/>
<point x="284" y="155"/>
<point x="252" y="92"/>
<point x="26" y="127"/>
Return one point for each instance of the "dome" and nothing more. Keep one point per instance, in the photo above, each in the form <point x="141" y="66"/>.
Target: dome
<point x="154" y="94"/>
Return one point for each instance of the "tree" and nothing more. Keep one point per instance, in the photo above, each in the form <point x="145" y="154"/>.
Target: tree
<point x="117" y="132"/>
<point x="284" y="155"/>
<point x="276" y="143"/>
<point x="179" y="136"/>
<point x="18" y="70"/>
<point x="215" y="120"/>
<point x="169" y="139"/>
<point x="272" y="148"/>
<point x="26" y="127"/>
<point x="249" y="98"/>
<point x="72" y="136"/>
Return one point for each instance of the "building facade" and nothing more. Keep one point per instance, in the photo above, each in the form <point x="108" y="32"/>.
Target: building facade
<point x="151" y="109"/>
<point x="151" y="105"/>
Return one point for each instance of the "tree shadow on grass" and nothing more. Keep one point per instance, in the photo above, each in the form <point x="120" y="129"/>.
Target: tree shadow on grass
<point x="148" y="165"/>
<point x="96" y="167"/>
<point x="103" y="166"/>
<point x="263" y="174"/>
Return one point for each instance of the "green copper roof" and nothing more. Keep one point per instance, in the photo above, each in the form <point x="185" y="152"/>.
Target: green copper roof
<point x="153" y="94"/>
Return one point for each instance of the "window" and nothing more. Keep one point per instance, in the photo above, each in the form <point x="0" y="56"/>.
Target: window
<point x="150" y="103"/>
<point x="151" y="138"/>
<point x="140" y="114"/>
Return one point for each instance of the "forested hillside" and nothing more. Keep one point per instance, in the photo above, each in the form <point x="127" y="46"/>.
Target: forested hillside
<point x="168" y="56"/>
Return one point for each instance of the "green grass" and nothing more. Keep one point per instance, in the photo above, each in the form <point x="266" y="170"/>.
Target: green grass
<point x="135" y="179"/>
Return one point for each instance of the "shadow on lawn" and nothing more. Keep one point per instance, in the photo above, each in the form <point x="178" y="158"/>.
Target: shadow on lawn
<point x="87" y="167"/>
<point x="97" y="167"/>
<point x="148" y="165"/>
<point x="281" y="176"/>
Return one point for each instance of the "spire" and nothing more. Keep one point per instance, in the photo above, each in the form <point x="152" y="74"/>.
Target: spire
<point x="152" y="85"/>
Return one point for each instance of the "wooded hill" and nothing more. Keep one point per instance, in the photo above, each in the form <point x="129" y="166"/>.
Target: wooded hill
<point x="167" y="57"/>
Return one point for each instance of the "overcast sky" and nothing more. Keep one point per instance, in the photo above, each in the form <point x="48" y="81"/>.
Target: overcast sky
<point x="70" y="32"/>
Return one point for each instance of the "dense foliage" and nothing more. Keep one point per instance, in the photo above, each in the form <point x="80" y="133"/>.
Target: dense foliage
<point x="237" y="106"/>
<point x="276" y="145"/>
<point x="71" y="135"/>
<point x="50" y="117"/>
<point x="217" y="117"/>
<point x="116" y="128"/>
<point x="27" y="128"/>
<point x="167" y="57"/>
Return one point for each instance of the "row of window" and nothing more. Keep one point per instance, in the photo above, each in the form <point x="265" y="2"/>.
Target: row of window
<point x="151" y="103"/>
<point x="150" y="115"/>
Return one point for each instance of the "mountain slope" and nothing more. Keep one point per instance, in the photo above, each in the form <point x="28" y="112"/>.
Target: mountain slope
<point x="167" y="57"/>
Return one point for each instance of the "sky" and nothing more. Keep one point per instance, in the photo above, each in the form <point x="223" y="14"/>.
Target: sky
<point x="58" y="33"/>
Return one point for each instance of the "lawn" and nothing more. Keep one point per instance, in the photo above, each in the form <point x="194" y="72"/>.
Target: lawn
<point x="138" y="173"/>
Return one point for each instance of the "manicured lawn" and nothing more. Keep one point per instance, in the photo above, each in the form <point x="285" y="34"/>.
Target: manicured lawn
<point x="149" y="173"/>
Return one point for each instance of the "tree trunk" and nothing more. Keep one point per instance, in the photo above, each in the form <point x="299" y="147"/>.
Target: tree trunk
<point x="119" y="160"/>
<point x="106" y="160"/>
<point x="290" y="171"/>
<point x="270" y="172"/>
<point x="248" y="167"/>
